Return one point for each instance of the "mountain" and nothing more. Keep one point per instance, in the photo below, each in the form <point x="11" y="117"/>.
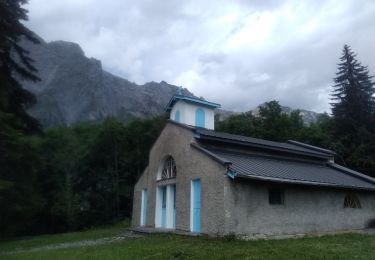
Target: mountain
<point x="74" y="88"/>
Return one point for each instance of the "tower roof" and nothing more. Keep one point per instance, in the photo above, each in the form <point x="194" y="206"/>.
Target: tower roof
<point x="192" y="100"/>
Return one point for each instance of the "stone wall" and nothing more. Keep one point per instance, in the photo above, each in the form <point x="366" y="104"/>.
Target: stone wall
<point x="306" y="209"/>
<point x="191" y="164"/>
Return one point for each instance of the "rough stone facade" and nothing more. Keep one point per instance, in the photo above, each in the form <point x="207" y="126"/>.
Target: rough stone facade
<point x="242" y="206"/>
<point x="191" y="164"/>
<point x="306" y="209"/>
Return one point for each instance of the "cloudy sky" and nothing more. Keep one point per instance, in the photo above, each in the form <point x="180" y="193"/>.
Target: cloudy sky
<point x="238" y="53"/>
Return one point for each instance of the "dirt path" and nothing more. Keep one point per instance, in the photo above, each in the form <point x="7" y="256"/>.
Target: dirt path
<point x="82" y="243"/>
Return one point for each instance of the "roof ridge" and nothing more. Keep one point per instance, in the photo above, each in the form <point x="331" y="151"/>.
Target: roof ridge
<point x="312" y="147"/>
<point x="211" y="154"/>
<point x="273" y="145"/>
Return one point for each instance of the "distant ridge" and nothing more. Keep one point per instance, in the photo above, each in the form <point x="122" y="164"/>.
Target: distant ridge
<point x="74" y="88"/>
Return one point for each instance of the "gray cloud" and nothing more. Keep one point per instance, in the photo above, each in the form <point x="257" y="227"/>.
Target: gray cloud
<point x="239" y="53"/>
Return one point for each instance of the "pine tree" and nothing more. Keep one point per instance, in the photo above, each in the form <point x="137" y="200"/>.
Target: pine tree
<point x="353" y="95"/>
<point x="353" y="112"/>
<point x="19" y="200"/>
<point x="15" y="65"/>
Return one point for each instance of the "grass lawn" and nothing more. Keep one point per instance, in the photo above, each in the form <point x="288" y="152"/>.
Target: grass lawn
<point x="43" y="240"/>
<point x="168" y="246"/>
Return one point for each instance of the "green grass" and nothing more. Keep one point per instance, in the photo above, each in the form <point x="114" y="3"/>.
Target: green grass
<point x="168" y="246"/>
<point x="43" y="240"/>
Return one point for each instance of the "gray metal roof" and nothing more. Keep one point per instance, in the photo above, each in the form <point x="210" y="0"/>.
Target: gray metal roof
<point x="284" y="147"/>
<point x="288" y="171"/>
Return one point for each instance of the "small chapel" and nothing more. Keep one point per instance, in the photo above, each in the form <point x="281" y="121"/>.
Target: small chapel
<point x="207" y="182"/>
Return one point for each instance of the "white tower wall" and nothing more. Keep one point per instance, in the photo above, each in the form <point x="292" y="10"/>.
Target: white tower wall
<point x="188" y="114"/>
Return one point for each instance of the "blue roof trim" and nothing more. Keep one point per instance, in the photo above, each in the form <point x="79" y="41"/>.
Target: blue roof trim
<point x="301" y="182"/>
<point x="205" y="103"/>
<point x="231" y="173"/>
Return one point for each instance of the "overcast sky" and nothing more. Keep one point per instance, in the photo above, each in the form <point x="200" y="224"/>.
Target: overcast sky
<point x="237" y="53"/>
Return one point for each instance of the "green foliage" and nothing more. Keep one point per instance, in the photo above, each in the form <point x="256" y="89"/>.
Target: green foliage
<point x="354" y="113"/>
<point x="19" y="201"/>
<point x="73" y="178"/>
<point x="14" y="64"/>
<point x="354" y="146"/>
<point x="270" y="124"/>
<point x="87" y="172"/>
<point x="353" y="94"/>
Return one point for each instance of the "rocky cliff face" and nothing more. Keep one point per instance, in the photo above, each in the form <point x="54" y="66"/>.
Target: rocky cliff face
<point x="74" y="88"/>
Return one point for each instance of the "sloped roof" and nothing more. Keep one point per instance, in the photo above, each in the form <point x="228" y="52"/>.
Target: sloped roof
<point x="289" y="171"/>
<point x="290" y="147"/>
<point x="249" y="165"/>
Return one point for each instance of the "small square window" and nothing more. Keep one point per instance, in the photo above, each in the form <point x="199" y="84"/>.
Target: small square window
<point x="276" y="196"/>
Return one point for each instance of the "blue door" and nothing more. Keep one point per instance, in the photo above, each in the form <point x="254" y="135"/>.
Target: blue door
<point x="196" y="189"/>
<point x="163" y="206"/>
<point x="200" y="118"/>
<point x="177" y="116"/>
<point x="174" y="206"/>
<point x="144" y="208"/>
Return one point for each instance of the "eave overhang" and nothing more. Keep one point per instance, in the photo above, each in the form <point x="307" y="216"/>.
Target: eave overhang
<point x="191" y="100"/>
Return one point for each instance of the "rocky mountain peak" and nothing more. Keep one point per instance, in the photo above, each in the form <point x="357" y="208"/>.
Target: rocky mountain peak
<point x="74" y="88"/>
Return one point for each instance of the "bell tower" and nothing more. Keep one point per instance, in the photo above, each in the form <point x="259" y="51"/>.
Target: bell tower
<point x="192" y="111"/>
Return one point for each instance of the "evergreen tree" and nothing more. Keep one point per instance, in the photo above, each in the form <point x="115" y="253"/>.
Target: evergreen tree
<point x="19" y="201"/>
<point x="353" y="94"/>
<point x="353" y="110"/>
<point x="15" y="64"/>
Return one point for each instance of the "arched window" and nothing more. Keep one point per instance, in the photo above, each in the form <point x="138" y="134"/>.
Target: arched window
<point x="200" y="118"/>
<point x="177" y="116"/>
<point x="169" y="170"/>
<point x="352" y="201"/>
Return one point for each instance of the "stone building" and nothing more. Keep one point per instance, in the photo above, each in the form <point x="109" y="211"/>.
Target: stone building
<point x="203" y="181"/>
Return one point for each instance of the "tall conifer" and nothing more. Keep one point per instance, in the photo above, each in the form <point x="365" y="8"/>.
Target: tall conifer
<point x="19" y="198"/>
<point x="353" y="93"/>
<point x="15" y="65"/>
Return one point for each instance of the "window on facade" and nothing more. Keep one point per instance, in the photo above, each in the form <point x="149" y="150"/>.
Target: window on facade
<point x="276" y="196"/>
<point x="169" y="169"/>
<point x="352" y="201"/>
